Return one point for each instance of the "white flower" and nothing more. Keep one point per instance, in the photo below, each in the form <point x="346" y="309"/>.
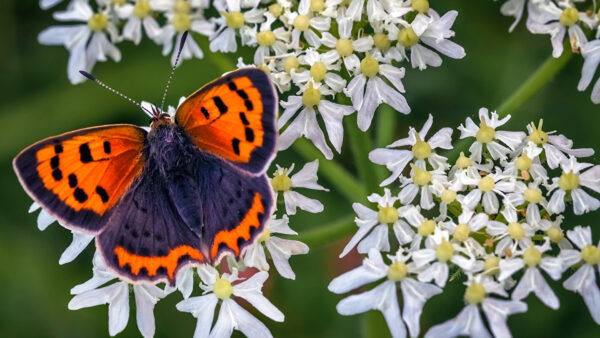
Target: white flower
<point x="512" y="235"/>
<point x="533" y="196"/>
<point x="527" y="165"/>
<point x="469" y="321"/>
<point x="515" y="9"/>
<point x="345" y="48"/>
<point x="487" y="188"/>
<point x="139" y="15"/>
<point x="422" y="149"/>
<point x="384" y="296"/>
<point x="532" y="280"/>
<point x="583" y="281"/>
<point x="87" y="43"/>
<point x="556" y="147"/>
<point x="303" y="22"/>
<point x="270" y="40"/>
<point x="486" y="134"/>
<point x="183" y="17"/>
<point x="548" y="18"/>
<point x="233" y="18"/>
<point x="280" y="249"/>
<point x="368" y="90"/>
<point x="321" y="69"/>
<point x="305" y="178"/>
<point x="231" y="314"/>
<point x="433" y="31"/>
<point x="368" y="219"/>
<point x="433" y="260"/>
<point x="423" y="181"/>
<point x="591" y="55"/>
<point x="571" y="181"/>
<point x="305" y="123"/>
<point x="116" y="295"/>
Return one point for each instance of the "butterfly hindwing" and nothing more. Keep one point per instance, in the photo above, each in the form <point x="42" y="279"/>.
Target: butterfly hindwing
<point x="78" y="177"/>
<point x="146" y="239"/>
<point x="234" y="118"/>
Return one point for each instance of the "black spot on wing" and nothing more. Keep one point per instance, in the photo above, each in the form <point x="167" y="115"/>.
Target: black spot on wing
<point x="106" y="147"/>
<point x="220" y="105"/>
<point x="72" y="180"/>
<point x="54" y="162"/>
<point x="57" y="174"/>
<point x="102" y="193"/>
<point x="80" y="195"/>
<point x="58" y="148"/>
<point x="235" y="144"/>
<point x="232" y="86"/>
<point x="205" y="112"/>
<point x="85" y="154"/>
<point x="248" y="105"/>
<point x="244" y="119"/>
<point x="249" y="134"/>
<point x="242" y="94"/>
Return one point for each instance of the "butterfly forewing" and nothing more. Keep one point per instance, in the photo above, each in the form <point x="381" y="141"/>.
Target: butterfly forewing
<point x="79" y="176"/>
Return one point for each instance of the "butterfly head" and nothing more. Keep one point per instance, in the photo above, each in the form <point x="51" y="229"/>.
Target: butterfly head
<point x="159" y="118"/>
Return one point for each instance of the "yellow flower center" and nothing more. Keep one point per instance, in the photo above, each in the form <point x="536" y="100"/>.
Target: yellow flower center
<point x="591" y="255"/>
<point x="568" y="181"/>
<point x="387" y="215"/>
<point x="532" y="257"/>
<point x="421" y="6"/>
<point x="448" y="196"/>
<point x="461" y="233"/>
<point x="421" y="150"/>
<point x="485" y="134"/>
<point x="515" y="230"/>
<point x="491" y="265"/>
<point x="444" y="251"/>
<point x="318" y="71"/>
<point x="555" y="234"/>
<point x="142" y="9"/>
<point x="537" y="135"/>
<point x="311" y="96"/>
<point x="463" y="162"/>
<point x="382" y="42"/>
<point x="265" y="236"/>
<point x="420" y="177"/>
<point x="222" y="288"/>
<point x="98" y="22"/>
<point x="344" y="47"/>
<point x="265" y="38"/>
<point x="276" y="9"/>
<point x="486" y="184"/>
<point x="569" y="17"/>
<point x="281" y="182"/>
<point x="523" y="162"/>
<point x="181" y="6"/>
<point x="290" y="63"/>
<point x="533" y="195"/>
<point x="426" y="227"/>
<point x="181" y="22"/>
<point x="475" y="293"/>
<point x="301" y="22"/>
<point x="397" y="271"/>
<point x="369" y="66"/>
<point x="264" y="67"/>
<point x="234" y="20"/>
<point x="317" y="6"/>
<point x="407" y="37"/>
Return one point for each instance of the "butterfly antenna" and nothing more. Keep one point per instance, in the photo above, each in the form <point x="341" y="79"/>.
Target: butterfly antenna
<point x="183" y="38"/>
<point x="103" y="85"/>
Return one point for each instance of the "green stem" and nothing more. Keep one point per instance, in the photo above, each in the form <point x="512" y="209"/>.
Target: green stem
<point x="384" y="134"/>
<point x="536" y="81"/>
<point x="329" y="232"/>
<point x="343" y="181"/>
<point x="361" y="145"/>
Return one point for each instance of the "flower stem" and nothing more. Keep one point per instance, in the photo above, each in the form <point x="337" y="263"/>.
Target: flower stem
<point x="361" y="144"/>
<point x="536" y="81"/>
<point x="329" y="232"/>
<point x="343" y="181"/>
<point x="384" y="134"/>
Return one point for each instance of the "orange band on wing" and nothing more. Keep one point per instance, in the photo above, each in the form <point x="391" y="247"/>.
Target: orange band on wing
<point x="152" y="264"/>
<point x="230" y="237"/>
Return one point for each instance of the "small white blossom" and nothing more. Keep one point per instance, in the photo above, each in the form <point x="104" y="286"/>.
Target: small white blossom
<point x="305" y="178"/>
<point x="572" y="181"/>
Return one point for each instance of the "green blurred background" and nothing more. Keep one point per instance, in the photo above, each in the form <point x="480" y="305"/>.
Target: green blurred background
<point x="38" y="101"/>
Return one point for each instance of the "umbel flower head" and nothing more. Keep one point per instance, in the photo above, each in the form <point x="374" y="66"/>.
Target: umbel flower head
<point x="494" y="220"/>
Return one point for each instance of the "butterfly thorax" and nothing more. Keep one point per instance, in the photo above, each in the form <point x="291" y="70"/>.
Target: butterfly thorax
<point x="170" y="150"/>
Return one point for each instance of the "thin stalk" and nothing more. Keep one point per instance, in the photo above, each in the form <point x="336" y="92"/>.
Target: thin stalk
<point x="361" y="145"/>
<point x="329" y="232"/>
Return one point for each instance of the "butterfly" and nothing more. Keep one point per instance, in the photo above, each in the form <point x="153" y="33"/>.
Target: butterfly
<point x="186" y="192"/>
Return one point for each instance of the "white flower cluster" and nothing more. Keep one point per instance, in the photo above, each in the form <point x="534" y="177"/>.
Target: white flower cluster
<point x="221" y="284"/>
<point x="493" y="218"/>
<point x="313" y="49"/>
<point x="560" y="19"/>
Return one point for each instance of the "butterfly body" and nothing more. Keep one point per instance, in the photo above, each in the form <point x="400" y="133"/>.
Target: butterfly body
<point x="187" y="192"/>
